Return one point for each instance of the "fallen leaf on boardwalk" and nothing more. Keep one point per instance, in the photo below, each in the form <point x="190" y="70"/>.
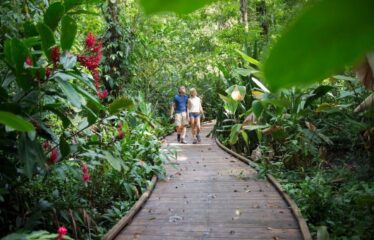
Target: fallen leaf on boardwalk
<point x="232" y="232"/>
<point x="237" y="212"/>
<point x="235" y="190"/>
<point x="269" y="228"/>
<point x="152" y="218"/>
<point x="248" y="190"/>
<point x="275" y="238"/>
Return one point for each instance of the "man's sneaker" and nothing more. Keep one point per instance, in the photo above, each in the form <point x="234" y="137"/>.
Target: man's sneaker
<point x="194" y="141"/>
<point x="182" y="141"/>
<point x="198" y="138"/>
<point x="178" y="137"/>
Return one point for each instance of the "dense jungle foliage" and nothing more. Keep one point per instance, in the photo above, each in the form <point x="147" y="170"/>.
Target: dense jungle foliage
<point x="86" y="87"/>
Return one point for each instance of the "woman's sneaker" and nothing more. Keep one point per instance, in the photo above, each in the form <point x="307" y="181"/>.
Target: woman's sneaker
<point x="178" y="137"/>
<point x="194" y="141"/>
<point x="198" y="138"/>
<point x="182" y="141"/>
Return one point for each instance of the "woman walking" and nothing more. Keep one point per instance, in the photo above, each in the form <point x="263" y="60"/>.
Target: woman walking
<point x="195" y="108"/>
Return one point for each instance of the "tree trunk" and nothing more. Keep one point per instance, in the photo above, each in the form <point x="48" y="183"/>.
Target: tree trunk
<point x="244" y="13"/>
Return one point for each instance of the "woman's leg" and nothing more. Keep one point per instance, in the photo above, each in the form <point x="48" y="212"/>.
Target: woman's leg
<point x="198" y="128"/>
<point x="193" y="128"/>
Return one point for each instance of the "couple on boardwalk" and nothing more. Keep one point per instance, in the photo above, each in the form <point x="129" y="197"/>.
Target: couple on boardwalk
<point x="187" y="110"/>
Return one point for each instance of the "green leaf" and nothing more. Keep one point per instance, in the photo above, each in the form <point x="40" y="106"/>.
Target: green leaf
<point x="8" y="52"/>
<point x="245" y="137"/>
<point x="113" y="161"/>
<point x="248" y="58"/>
<point x="322" y="233"/>
<point x="317" y="93"/>
<point x="178" y="6"/>
<point x="30" y="153"/>
<point x="15" y="122"/>
<point x="70" y="4"/>
<point x="235" y="130"/>
<point x="48" y="40"/>
<point x="64" y="147"/>
<point x="255" y="127"/>
<point x="120" y="104"/>
<point x="65" y="120"/>
<point x="70" y="93"/>
<point x="68" y="32"/>
<point x="19" y="53"/>
<point x="93" y="100"/>
<point x="327" y="36"/>
<point x="53" y="15"/>
<point x="30" y="29"/>
<point x="257" y="108"/>
<point x="68" y="61"/>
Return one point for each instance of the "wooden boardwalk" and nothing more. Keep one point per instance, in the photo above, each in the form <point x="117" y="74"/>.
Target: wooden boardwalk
<point x="209" y="194"/>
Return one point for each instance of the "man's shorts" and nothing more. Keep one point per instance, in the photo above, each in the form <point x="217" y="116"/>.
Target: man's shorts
<point x="181" y="119"/>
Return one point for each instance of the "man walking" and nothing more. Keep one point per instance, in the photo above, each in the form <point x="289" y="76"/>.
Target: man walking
<point x="179" y="106"/>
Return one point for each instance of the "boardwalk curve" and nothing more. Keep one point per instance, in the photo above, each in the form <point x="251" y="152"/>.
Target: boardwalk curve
<point x="209" y="194"/>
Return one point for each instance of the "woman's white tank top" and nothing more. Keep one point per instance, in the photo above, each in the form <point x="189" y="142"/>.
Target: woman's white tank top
<point x="195" y="104"/>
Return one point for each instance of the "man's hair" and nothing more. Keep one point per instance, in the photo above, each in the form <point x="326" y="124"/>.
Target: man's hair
<point x="179" y="89"/>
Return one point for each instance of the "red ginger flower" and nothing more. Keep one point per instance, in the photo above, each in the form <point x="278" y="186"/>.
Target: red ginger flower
<point x="55" y="55"/>
<point x="120" y="135"/>
<point x="62" y="231"/>
<point x="86" y="178"/>
<point x="86" y="175"/>
<point x="47" y="72"/>
<point x="90" y="40"/>
<point x="46" y="145"/>
<point x="28" y="61"/>
<point x="103" y="94"/>
<point x="53" y="156"/>
<point x="84" y="168"/>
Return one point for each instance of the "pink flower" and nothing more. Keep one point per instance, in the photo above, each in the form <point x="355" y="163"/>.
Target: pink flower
<point x="90" y="40"/>
<point x="103" y="94"/>
<point x="55" y="55"/>
<point x="53" y="156"/>
<point x="28" y="61"/>
<point x="62" y="231"/>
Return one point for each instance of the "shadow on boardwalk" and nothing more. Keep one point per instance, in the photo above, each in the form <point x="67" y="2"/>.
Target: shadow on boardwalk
<point x="209" y="194"/>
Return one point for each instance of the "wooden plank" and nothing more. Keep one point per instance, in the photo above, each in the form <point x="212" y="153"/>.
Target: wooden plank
<point x="208" y="194"/>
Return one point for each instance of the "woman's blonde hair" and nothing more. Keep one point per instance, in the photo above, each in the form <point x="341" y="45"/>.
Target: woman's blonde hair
<point x="193" y="90"/>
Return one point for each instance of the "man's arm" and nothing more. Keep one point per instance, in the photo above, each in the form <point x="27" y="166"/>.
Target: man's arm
<point x="172" y="110"/>
<point x="188" y="108"/>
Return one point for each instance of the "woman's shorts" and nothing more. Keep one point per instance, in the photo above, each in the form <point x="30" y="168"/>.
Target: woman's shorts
<point x="194" y="115"/>
<point x="181" y="119"/>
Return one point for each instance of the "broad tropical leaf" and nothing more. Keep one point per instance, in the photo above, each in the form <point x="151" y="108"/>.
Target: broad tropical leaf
<point x="327" y="36"/>
<point x="16" y="122"/>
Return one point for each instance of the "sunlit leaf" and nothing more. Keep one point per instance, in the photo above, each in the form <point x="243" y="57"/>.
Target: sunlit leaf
<point x="327" y="36"/>
<point x="16" y="122"/>
<point x="47" y="38"/>
<point x="178" y="6"/>
<point x="120" y="104"/>
<point x="68" y="32"/>
<point x="249" y="59"/>
<point x="53" y="15"/>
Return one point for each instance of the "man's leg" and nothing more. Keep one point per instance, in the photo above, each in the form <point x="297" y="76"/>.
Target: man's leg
<point x="178" y="123"/>
<point x="183" y="127"/>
